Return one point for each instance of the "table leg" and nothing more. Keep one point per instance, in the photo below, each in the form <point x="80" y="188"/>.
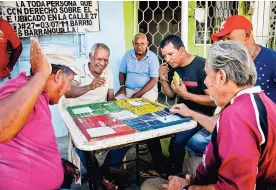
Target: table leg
<point x="137" y="165"/>
<point x="93" y="171"/>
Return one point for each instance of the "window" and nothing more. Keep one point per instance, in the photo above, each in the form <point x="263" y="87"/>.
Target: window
<point x="217" y="13"/>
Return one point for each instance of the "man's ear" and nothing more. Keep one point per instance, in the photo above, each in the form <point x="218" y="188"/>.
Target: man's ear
<point x="222" y="77"/>
<point x="58" y="77"/>
<point x="90" y="55"/>
<point x="182" y="50"/>
<point x="248" y="34"/>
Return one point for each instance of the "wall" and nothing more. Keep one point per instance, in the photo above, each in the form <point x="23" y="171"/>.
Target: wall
<point x="112" y="33"/>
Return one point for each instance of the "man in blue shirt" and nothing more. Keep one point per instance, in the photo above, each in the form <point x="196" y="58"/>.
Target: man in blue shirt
<point x="139" y="71"/>
<point x="238" y="28"/>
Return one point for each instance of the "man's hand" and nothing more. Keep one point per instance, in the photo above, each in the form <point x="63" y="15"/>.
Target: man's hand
<point x="163" y="71"/>
<point x="70" y="169"/>
<point x="181" y="109"/>
<point x="97" y="82"/>
<point x="136" y="95"/>
<point x="179" y="89"/>
<point x="38" y="60"/>
<point x="177" y="183"/>
<point x="122" y="90"/>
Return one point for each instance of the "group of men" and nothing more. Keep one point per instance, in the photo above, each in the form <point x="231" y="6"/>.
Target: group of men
<point x="238" y="146"/>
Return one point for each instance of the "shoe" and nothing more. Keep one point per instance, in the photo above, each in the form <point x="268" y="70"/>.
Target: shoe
<point x="143" y="149"/>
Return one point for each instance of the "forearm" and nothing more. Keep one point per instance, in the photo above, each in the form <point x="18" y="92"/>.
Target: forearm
<point x="205" y="187"/>
<point x="110" y="95"/>
<point x="148" y="86"/>
<point x="207" y="122"/>
<point x="14" y="56"/>
<point x="200" y="99"/>
<point x="17" y="107"/>
<point x="122" y="78"/>
<point x="77" y="91"/>
<point x="167" y="90"/>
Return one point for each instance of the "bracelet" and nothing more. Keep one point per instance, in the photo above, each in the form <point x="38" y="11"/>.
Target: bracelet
<point x="187" y="187"/>
<point x="122" y="86"/>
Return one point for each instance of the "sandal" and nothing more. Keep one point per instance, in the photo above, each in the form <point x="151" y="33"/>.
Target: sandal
<point x="152" y="174"/>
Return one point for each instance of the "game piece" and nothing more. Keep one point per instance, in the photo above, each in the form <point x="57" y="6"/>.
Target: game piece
<point x="176" y="78"/>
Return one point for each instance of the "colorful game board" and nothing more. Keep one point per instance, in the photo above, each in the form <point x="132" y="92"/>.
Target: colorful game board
<point x="110" y="119"/>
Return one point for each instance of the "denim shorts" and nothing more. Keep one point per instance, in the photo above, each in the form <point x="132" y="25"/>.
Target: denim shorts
<point x="198" y="142"/>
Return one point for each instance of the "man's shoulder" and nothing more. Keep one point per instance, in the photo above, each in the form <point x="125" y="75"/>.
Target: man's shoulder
<point x="129" y="52"/>
<point x="5" y="24"/>
<point x="267" y="52"/>
<point x="13" y="85"/>
<point x="200" y="59"/>
<point x="152" y="54"/>
<point x="2" y="21"/>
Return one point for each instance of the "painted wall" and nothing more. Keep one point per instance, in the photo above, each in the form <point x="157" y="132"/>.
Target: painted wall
<point x="112" y="33"/>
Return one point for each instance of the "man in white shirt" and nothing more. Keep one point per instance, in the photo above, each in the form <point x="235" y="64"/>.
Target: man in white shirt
<point x="97" y="85"/>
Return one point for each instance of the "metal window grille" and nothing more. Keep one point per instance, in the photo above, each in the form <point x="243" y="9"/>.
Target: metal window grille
<point x="217" y="12"/>
<point x="158" y="19"/>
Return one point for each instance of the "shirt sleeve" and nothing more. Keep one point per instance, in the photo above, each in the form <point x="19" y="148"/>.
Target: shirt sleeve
<point x="154" y="66"/>
<point x="123" y="66"/>
<point x="110" y="78"/>
<point x="239" y="154"/>
<point x="13" y="38"/>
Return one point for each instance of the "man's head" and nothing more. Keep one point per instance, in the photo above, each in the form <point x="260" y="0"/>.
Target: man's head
<point x="173" y="50"/>
<point x="140" y="44"/>
<point x="63" y="71"/>
<point x="229" y="68"/>
<point x="236" y="28"/>
<point x="99" y="58"/>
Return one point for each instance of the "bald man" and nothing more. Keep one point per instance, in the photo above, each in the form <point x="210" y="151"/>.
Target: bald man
<point x="139" y="71"/>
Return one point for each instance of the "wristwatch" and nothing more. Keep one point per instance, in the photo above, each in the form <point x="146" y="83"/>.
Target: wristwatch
<point x="187" y="187"/>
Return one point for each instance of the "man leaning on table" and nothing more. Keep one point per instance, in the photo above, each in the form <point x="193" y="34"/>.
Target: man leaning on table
<point x="96" y="86"/>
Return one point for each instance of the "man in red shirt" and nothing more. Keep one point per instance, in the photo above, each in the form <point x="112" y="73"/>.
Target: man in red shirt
<point x="241" y="154"/>
<point x="8" y="40"/>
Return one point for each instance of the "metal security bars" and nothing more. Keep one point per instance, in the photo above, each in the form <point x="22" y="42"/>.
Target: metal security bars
<point x="158" y="19"/>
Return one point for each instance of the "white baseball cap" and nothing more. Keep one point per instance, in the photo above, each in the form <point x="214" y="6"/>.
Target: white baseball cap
<point x="59" y="55"/>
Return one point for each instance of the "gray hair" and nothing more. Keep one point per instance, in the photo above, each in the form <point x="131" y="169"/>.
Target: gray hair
<point x="234" y="59"/>
<point x="96" y="45"/>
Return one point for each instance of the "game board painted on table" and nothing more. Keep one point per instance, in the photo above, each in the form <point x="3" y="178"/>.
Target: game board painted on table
<point x="110" y="119"/>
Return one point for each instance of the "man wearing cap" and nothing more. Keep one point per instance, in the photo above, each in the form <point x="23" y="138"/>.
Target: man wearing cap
<point x="238" y="28"/>
<point x="29" y="156"/>
<point x="8" y="40"/>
